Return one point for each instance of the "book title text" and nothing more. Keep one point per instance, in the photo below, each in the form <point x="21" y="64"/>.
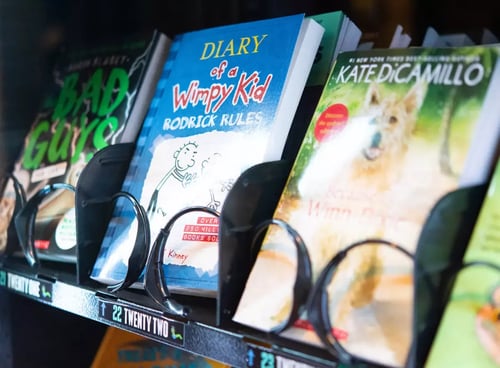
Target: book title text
<point x="405" y="69"/>
<point x="248" y="87"/>
<point x="83" y="115"/>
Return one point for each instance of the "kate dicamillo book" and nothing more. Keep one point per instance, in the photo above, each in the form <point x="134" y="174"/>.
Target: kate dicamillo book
<point x="98" y="96"/>
<point x="394" y="130"/>
<point x="225" y="102"/>
<point x="471" y="320"/>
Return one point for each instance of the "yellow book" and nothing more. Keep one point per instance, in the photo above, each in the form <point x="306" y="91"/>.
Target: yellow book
<point x="123" y="349"/>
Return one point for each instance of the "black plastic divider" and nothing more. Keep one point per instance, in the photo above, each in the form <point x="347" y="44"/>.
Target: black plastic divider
<point x="440" y="250"/>
<point x="98" y="187"/>
<point x="13" y="245"/>
<point x="25" y="221"/>
<point x="102" y="177"/>
<point x="252" y="200"/>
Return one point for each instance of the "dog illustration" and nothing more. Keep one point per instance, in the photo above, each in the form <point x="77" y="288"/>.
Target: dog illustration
<point x="392" y="120"/>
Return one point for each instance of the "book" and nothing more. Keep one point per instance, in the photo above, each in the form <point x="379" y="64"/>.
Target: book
<point x="394" y="130"/>
<point x="341" y="34"/>
<point x="433" y="39"/>
<point x="471" y="320"/>
<point x="225" y="102"/>
<point x="123" y="349"/>
<point x="399" y="38"/>
<point x="488" y="37"/>
<point x="98" y="95"/>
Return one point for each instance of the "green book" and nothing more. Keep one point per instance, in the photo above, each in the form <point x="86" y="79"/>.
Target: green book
<point x="469" y="333"/>
<point x="394" y="130"/>
<point x="341" y="34"/>
<point x="97" y="95"/>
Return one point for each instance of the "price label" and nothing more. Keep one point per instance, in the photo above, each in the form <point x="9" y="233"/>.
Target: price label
<point x="259" y="357"/>
<point x="150" y="324"/>
<point x="27" y="286"/>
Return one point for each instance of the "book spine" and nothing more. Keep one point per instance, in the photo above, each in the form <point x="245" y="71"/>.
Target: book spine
<point x="153" y="58"/>
<point x="151" y="115"/>
<point x="121" y="207"/>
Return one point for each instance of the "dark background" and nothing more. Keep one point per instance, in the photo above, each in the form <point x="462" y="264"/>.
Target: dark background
<point x="31" y="33"/>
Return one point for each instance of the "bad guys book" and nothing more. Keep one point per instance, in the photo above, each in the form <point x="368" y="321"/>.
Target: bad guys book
<point x="98" y="96"/>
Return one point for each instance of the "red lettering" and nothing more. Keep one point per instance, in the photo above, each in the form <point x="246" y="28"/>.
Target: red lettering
<point x="181" y="99"/>
<point x="208" y="220"/>
<point x="241" y="88"/>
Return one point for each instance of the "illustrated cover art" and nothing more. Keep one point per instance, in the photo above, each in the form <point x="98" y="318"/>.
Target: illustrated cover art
<point x="394" y="131"/>
<point x="123" y="349"/>
<point x="471" y="320"/>
<point x="224" y="103"/>
<point x="91" y="103"/>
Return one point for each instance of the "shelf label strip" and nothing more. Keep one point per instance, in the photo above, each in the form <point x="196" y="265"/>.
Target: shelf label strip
<point x="149" y="324"/>
<point x="261" y="357"/>
<point x="32" y="287"/>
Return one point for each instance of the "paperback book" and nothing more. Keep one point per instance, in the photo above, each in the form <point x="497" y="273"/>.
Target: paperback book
<point x="341" y="34"/>
<point x="393" y="131"/>
<point x="433" y="39"/>
<point x="98" y="95"/>
<point x="124" y="349"/>
<point x="225" y="102"/>
<point x="471" y="320"/>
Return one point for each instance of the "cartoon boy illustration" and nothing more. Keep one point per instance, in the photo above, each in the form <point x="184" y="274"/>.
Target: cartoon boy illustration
<point x="208" y="167"/>
<point x="214" y="168"/>
<point x="184" y="159"/>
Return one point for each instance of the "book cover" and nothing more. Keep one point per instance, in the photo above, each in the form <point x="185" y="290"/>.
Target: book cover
<point x="225" y="102"/>
<point x="99" y="95"/>
<point x="471" y="320"/>
<point x="123" y="349"/>
<point x="341" y="34"/>
<point x="433" y="39"/>
<point x="394" y="130"/>
<point x="335" y="40"/>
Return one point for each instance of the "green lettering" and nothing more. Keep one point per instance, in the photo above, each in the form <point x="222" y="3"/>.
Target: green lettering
<point x="100" y="133"/>
<point x="35" y="150"/>
<point x="85" y="131"/>
<point x="92" y="92"/>
<point x="117" y="81"/>
<point x="67" y="97"/>
<point x="60" y="142"/>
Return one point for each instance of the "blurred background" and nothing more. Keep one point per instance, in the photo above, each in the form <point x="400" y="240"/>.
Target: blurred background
<point x="31" y="32"/>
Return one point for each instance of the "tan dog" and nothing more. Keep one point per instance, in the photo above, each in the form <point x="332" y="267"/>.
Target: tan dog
<point x="393" y="119"/>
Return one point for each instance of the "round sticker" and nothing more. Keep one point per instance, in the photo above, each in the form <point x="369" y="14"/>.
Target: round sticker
<point x="65" y="234"/>
<point x="331" y="121"/>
